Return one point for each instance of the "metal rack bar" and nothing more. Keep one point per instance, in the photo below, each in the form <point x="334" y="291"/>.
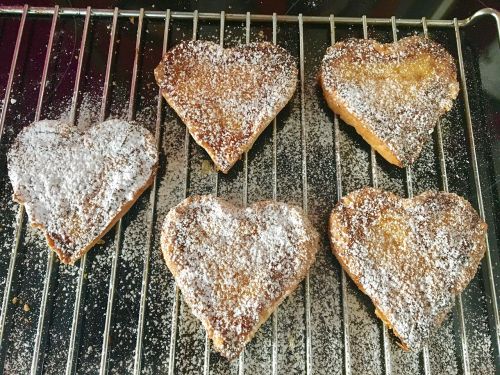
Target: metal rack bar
<point x="444" y="180"/>
<point x="109" y="63"/>
<point x="10" y="273"/>
<point x="387" y="349"/>
<point x="10" y="80"/>
<point x="241" y="359"/>
<point x="409" y="192"/>
<point x="343" y="277"/>
<point x="39" y="337"/>
<point x="477" y="183"/>
<point x="373" y="157"/>
<point x="374" y="178"/>
<point x="248" y="18"/>
<point x="175" y="307"/>
<point x="43" y="82"/>
<point x="73" y="347"/>
<point x="303" y="135"/>
<point x="427" y="362"/>
<point x="439" y="134"/>
<point x="118" y="227"/>
<point x="275" y="174"/>
<point x="152" y="202"/>
<point x="221" y="43"/>
<point x="206" y="357"/>
<point x="74" y="99"/>
<point x="274" y="354"/>
<point x="408" y="169"/>
<point x="13" y="10"/>
<point x="133" y="88"/>
<point x="102" y="117"/>
<point x="20" y="214"/>
<point x="245" y="156"/>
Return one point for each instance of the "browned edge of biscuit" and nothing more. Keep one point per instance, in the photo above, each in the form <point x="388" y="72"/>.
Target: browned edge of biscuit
<point x="159" y="73"/>
<point x="356" y="281"/>
<point x="370" y="137"/>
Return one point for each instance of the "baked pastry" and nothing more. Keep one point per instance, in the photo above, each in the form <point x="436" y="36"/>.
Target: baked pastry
<point x="75" y="186"/>
<point x="412" y="257"/>
<point x="393" y="94"/>
<point x="226" y="97"/>
<point x="234" y="265"/>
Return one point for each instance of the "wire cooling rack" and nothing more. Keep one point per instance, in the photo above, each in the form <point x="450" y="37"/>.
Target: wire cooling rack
<point x="118" y="310"/>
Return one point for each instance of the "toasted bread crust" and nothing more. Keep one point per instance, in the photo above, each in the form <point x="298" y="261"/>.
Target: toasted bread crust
<point x="235" y="266"/>
<point x="226" y="97"/>
<point x="392" y="94"/>
<point x="410" y="256"/>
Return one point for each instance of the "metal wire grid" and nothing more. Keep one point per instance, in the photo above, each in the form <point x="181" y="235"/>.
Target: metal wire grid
<point x="57" y="12"/>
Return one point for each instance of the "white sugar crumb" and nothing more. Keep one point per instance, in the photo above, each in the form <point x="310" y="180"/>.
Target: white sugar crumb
<point x="442" y="350"/>
<point x="364" y="335"/>
<point x="232" y="264"/>
<point x="74" y="184"/>
<point x="22" y="324"/>
<point x="396" y="90"/>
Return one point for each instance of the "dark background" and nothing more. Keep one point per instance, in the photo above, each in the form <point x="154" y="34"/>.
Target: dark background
<point x="371" y="8"/>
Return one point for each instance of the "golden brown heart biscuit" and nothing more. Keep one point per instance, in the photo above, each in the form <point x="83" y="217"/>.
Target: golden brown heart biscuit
<point x="235" y="265"/>
<point x="393" y="94"/>
<point x="76" y="185"/>
<point x="226" y="97"/>
<point x="410" y="256"/>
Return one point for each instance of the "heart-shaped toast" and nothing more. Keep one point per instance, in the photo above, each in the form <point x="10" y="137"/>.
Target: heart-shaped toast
<point x="226" y="97"/>
<point x="393" y="94"/>
<point x="76" y="185"/>
<point x="410" y="256"/>
<point x="235" y="265"/>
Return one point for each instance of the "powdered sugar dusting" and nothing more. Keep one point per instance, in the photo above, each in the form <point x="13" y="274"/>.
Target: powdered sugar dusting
<point x="443" y="358"/>
<point x="21" y="321"/>
<point x="232" y="265"/>
<point x="226" y="96"/>
<point x="411" y="256"/>
<point x="73" y="184"/>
